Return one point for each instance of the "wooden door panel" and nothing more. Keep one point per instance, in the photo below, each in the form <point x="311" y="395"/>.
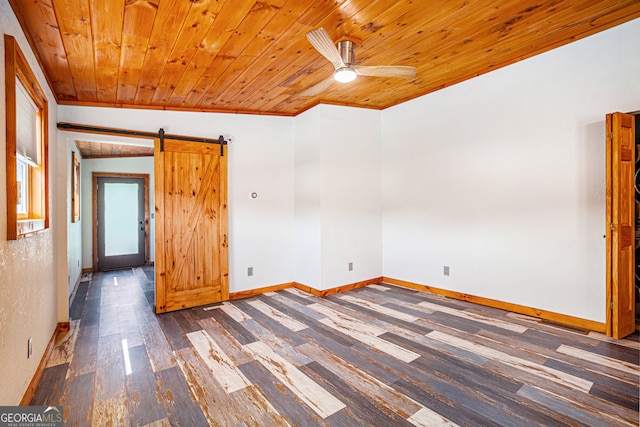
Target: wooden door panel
<point x="620" y="218"/>
<point x="191" y="219"/>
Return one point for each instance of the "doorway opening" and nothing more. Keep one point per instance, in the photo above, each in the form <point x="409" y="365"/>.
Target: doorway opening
<point x="120" y="221"/>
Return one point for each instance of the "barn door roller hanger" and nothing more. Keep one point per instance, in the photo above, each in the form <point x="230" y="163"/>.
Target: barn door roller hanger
<point x="220" y="140"/>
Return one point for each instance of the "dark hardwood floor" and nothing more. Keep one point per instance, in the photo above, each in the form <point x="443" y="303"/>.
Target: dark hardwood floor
<point x="379" y="355"/>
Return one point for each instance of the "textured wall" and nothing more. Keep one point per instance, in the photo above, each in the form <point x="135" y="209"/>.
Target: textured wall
<point x="29" y="299"/>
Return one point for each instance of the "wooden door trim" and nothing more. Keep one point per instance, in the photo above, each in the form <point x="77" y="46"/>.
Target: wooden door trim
<point x="158" y="200"/>
<point x="224" y="230"/>
<point x="94" y="208"/>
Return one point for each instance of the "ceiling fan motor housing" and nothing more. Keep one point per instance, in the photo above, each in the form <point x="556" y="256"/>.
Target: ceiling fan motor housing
<point x="346" y="48"/>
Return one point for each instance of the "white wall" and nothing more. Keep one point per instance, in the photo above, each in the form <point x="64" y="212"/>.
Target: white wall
<point x="260" y="160"/>
<point x="32" y="298"/>
<point x="140" y="165"/>
<point x="307" y="195"/>
<point x="338" y="196"/>
<point x="74" y="229"/>
<point x="502" y="177"/>
<point x="351" y="195"/>
<point x="337" y="216"/>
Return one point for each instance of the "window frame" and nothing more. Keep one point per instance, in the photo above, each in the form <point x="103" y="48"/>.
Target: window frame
<point x="37" y="219"/>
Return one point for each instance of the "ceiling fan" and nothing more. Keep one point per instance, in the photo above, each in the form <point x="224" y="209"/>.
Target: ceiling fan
<point x="343" y="58"/>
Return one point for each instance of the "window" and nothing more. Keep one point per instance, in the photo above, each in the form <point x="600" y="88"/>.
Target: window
<point x="27" y="146"/>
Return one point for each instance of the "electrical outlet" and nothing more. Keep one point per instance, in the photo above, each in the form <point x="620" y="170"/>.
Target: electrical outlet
<point x="350" y="266"/>
<point x="250" y="271"/>
<point x="29" y="347"/>
<point x="446" y="270"/>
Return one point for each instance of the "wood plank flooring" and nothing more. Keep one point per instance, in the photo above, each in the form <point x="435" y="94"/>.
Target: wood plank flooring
<point x="378" y="355"/>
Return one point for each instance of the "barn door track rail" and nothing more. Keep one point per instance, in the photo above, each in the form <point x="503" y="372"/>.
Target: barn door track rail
<point x="72" y="127"/>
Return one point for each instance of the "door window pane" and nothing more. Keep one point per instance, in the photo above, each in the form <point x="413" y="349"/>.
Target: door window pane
<point x="121" y="219"/>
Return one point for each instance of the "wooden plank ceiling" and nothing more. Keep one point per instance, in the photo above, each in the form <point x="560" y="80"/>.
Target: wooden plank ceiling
<point x="251" y="56"/>
<point x="100" y="150"/>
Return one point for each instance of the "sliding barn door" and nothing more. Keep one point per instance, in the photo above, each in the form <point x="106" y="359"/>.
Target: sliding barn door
<point x="191" y="224"/>
<point x="620" y="221"/>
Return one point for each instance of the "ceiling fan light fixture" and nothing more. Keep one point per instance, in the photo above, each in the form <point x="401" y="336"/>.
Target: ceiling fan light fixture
<point x="344" y="75"/>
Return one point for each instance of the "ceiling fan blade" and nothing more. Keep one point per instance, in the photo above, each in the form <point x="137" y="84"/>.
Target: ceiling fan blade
<point x="386" y="71"/>
<point x="317" y="88"/>
<point x="321" y="40"/>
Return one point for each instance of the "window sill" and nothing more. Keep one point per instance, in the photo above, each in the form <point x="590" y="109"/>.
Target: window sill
<point x="27" y="227"/>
